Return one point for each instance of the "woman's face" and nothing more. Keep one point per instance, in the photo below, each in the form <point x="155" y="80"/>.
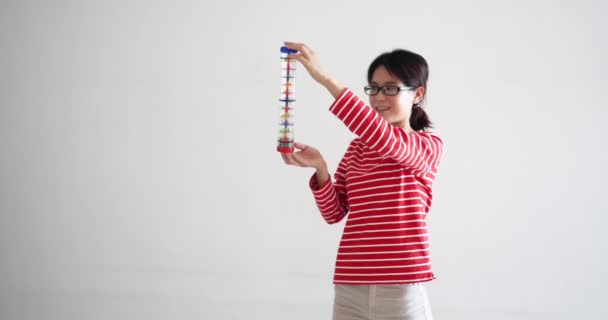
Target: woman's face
<point x="394" y="109"/>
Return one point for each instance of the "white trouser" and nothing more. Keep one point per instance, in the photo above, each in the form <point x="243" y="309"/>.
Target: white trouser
<point x="381" y="302"/>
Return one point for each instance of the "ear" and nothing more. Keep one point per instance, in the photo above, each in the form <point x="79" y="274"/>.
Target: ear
<point x="419" y="94"/>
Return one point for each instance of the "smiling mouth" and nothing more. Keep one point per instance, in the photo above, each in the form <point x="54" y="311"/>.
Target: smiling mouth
<point x="380" y="109"/>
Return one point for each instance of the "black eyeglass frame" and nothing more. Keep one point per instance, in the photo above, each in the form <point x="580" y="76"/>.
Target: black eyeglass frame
<point x="367" y="90"/>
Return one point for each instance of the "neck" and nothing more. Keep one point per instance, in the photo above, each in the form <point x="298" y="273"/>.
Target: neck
<point x="404" y="125"/>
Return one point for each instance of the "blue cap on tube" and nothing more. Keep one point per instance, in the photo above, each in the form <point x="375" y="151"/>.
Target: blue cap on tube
<point x="284" y="49"/>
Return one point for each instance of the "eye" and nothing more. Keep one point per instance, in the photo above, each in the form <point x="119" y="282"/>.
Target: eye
<point x="391" y="90"/>
<point x="371" y="90"/>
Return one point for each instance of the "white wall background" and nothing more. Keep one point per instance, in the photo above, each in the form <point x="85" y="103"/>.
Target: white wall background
<point x="139" y="180"/>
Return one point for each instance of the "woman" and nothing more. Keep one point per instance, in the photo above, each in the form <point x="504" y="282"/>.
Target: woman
<point x="383" y="185"/>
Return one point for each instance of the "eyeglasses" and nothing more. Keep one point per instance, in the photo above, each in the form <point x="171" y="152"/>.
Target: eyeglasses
<point x="386" y="90"/>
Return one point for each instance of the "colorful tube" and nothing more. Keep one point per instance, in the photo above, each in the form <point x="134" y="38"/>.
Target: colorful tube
<point x="287" y="101"/>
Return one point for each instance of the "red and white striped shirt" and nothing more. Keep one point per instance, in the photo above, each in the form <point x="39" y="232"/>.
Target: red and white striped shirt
<point x="384" y="184"/>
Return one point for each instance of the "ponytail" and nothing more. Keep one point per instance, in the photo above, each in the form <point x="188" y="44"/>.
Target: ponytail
<point x="419" y="120"/>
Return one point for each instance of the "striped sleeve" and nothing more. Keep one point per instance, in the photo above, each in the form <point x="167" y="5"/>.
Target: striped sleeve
<point x="331" y="199"/>
<point x="420" y="152"/>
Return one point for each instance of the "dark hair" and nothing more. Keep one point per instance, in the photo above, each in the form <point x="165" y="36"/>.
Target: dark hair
<point x="412" y="69"/>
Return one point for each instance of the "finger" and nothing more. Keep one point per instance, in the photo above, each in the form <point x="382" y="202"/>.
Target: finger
<point x="303" y="61"/>
<point x="294" y="56"/>
<point x="298" y="57"/>
<point x="295" y="159"/>
<point x="287" y="158"/>
<point x="300" y="146"/>
<point x="293" y="45"/>
<point x="305" y="50"/>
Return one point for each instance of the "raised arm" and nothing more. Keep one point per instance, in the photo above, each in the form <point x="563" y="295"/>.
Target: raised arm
<point x="417" y="151"/>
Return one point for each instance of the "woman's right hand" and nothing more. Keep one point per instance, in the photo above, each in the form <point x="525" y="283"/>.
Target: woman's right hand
<point x="306" y="156"/>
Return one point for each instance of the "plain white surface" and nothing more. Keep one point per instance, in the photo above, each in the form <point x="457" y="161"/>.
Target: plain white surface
<point x="139" y="180"/>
